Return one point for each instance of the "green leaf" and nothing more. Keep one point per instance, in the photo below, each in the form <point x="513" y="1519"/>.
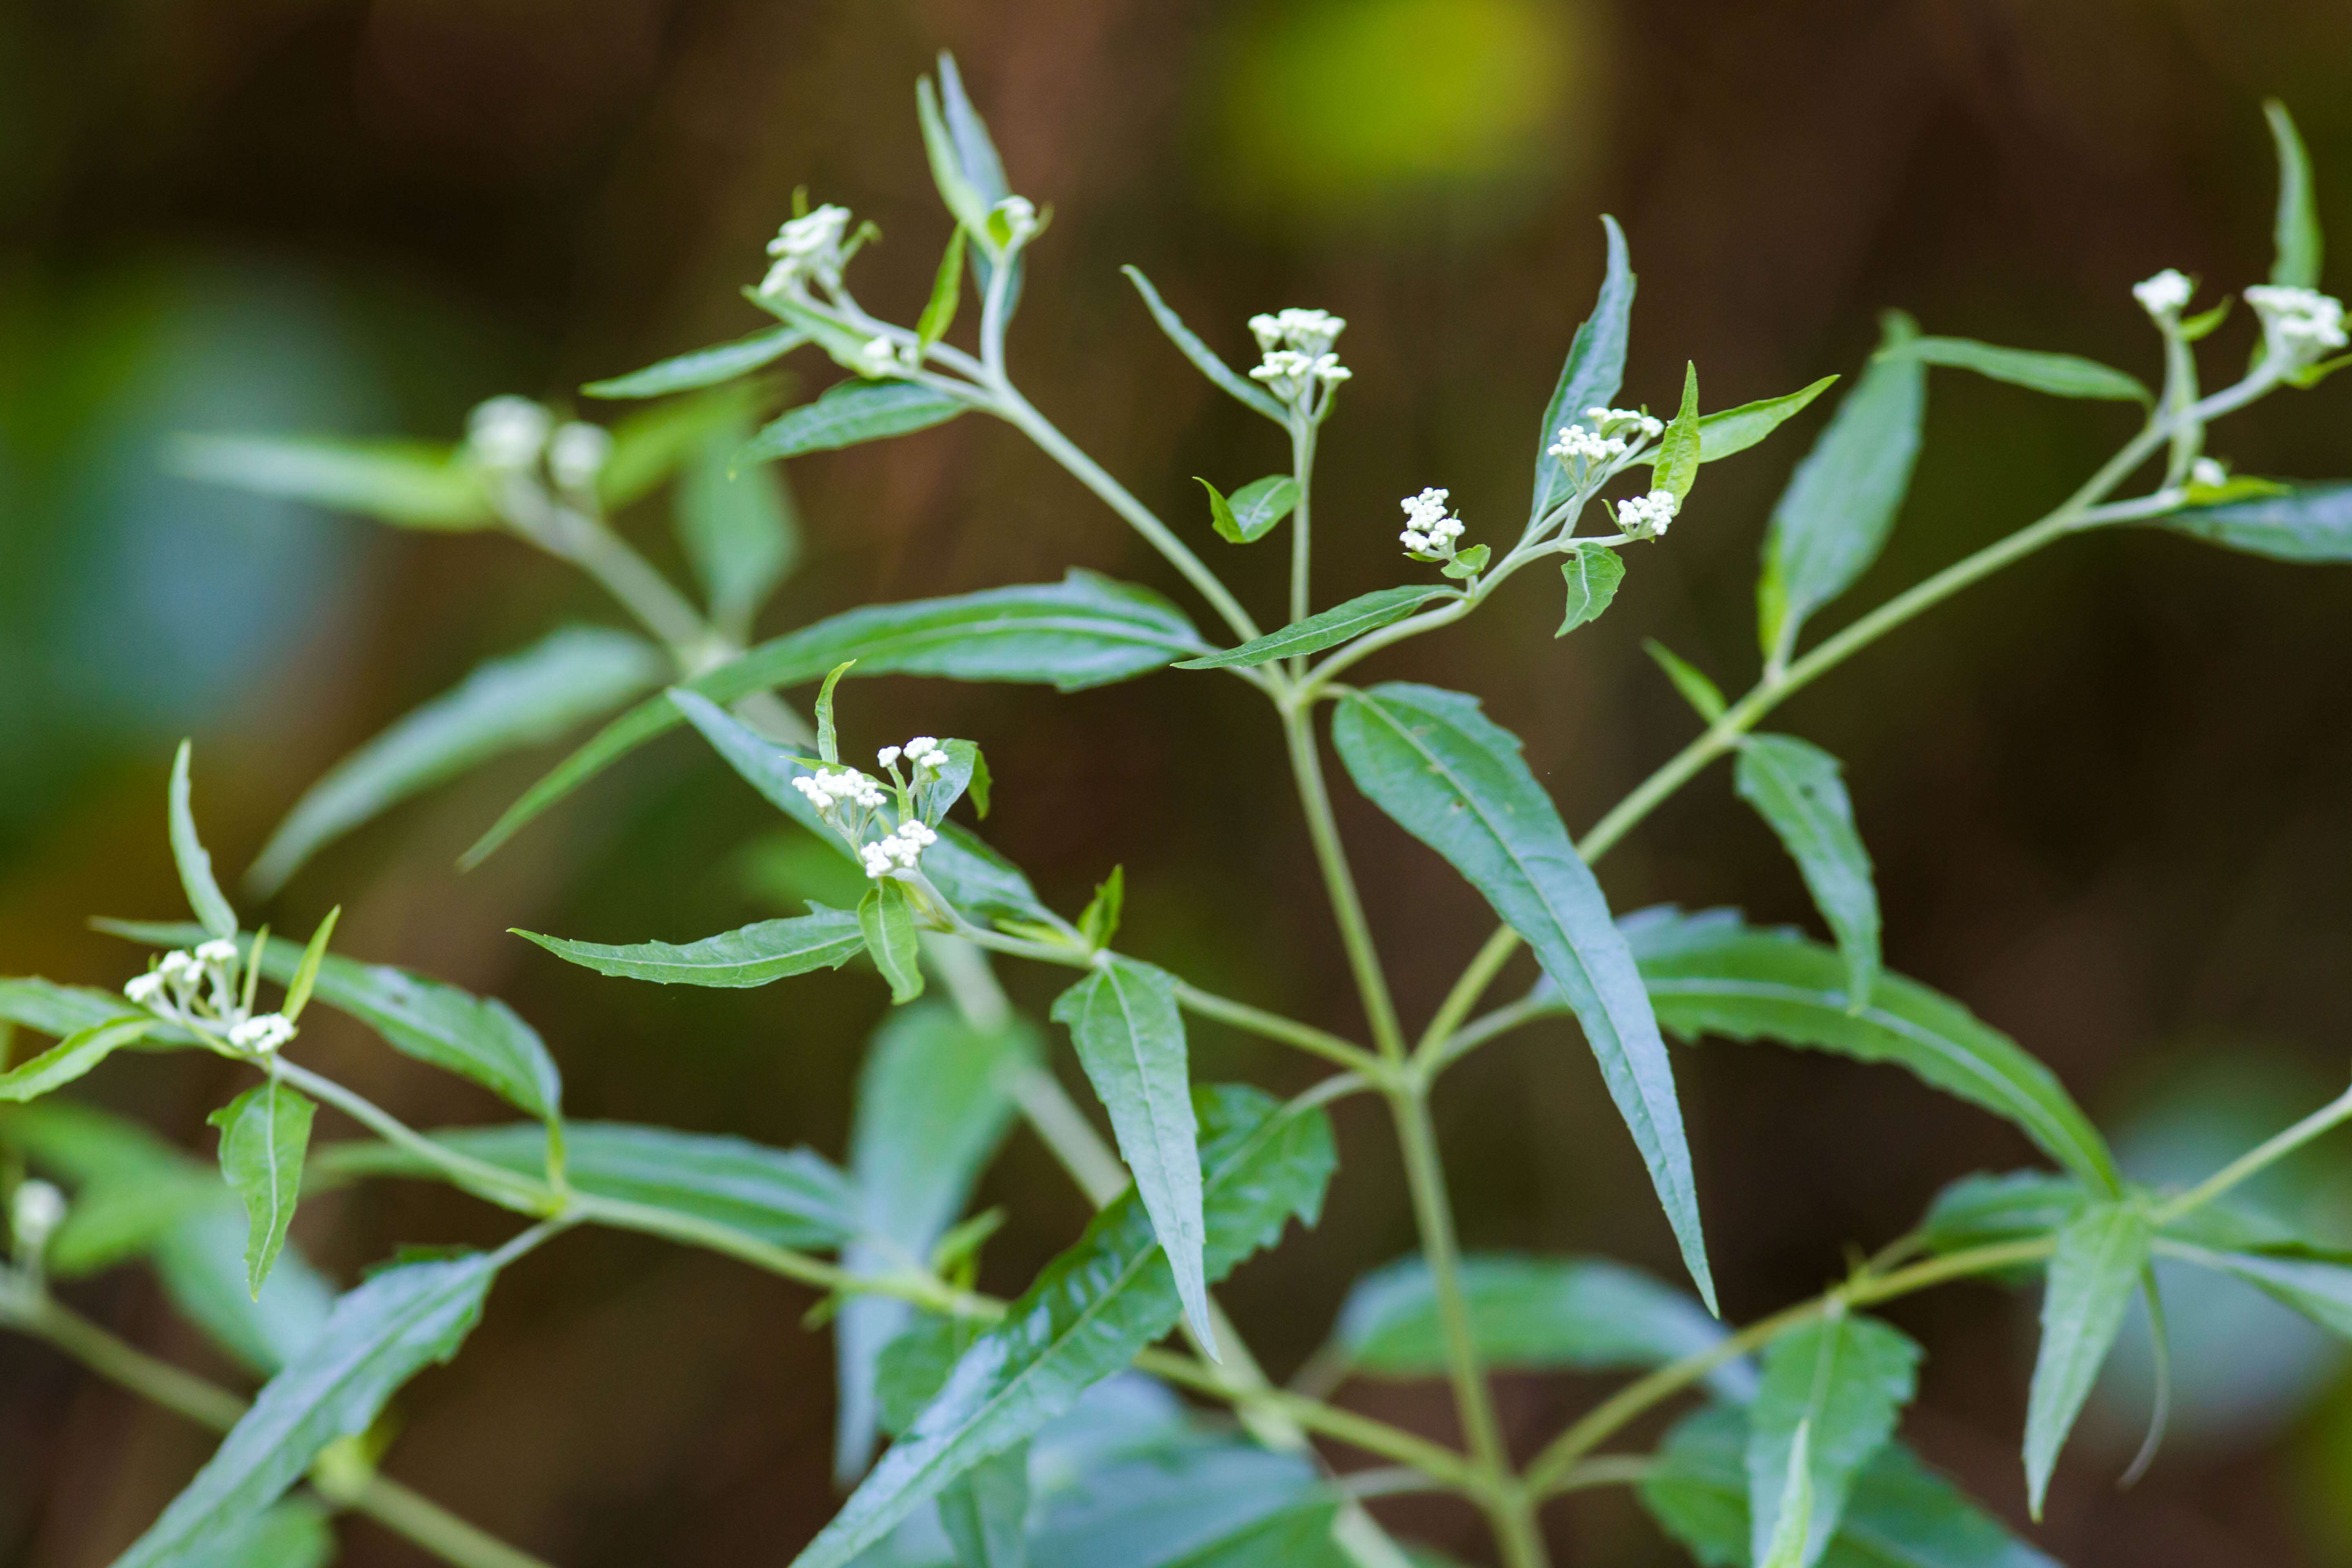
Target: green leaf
<point x="1837" y="1385"/>
<point x="1595" y="369"/>
<point x="2094" y="1275"/>
<point x="1467" y="564"/>
<point x="264" y="1133"/>
<point x="1736" y="429"/>
<point x="1981" y="1209"/>
<point x="1226" y="1505"/>
<point x="1531" y="1314"/>
<point x="651" y="444"/>
<point x="1083" y="631"/>
<point x="379" y="1336"/>
<point x="1325" y="628"/>
<point x="475" y="1037"/>
<point x="848" y="413"/>
<point x="305" y="972"/>
<point x="1832" y="522"/>
<point x="205" y="901"/>
<point x="933" y="1103"/>
<point x="739" y="530"/>
<point x="787" y="1197"/>
<point x="1784" y="1545"/>
<point x="60" y="1011"/>
<point x="964" y="198"/>
<point x="2296" y="230"/>
<point x="985" y="1511"/>
<point x="1204" y="359"/>
<point x="1592" y="575"/>
<point x="1454" y="780"/>
<point x="2060" y="375"/>
<point x="201" y="1261"/>
<point x="1252" y="510"/>
<point x="703" y="367"/>
<point x="406" y="483"/>
<point x="1900" y="1514"/>
<point x="69" y="1059"/>
<point x="982" y="170"/>
<point x="2317" y="1285"/>
<point x="2310" y="523"/>
<point x="1675" y="467"/>
<point x="1795" y="786"/>
<point x="524" y="699"/>
<point x="887" y="921"/>
<point x="1099" y="922"/>
<point x="828" y="745"/>
<point x="1091" y="1310"/>
<point x="752" y="955"/>
<point x="1131" y="1038"/>
<point x="294" y="1534"/>
<point x="1704" y="696"/>
<point x="1711" y="974"/>
<point x="947" y="292"/>
<point x="965" y="769"/>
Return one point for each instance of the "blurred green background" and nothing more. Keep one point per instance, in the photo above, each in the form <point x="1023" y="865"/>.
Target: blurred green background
<point x="2107" y="794"/>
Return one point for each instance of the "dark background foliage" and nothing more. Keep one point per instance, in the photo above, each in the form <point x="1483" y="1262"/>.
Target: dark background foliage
<point x="2106" y="794"/>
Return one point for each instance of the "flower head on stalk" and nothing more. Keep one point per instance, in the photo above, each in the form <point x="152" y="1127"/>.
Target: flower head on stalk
<point x="1299" y="367"/>
<point x="882" y="827"/>
<point x="1647" y="517"/>
<point x="203" y="991"/>
<point x="811" y="248"/>
<point x="2299" y="325"/>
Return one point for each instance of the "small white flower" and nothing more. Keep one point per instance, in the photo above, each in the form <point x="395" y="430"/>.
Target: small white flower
<point x="887" y="756"/>
<point x="220" y="950"/>
<point x="807" y="249"/>
<point x="1298" y="348"/>
<point x="2205" y="471"/>
<point x="507" y="434"/>
<point x="2300" y="324"/>
<point x="578" y="454"/>
<point x="1019" y="215"/>
<point x="33" y="1215"/>
<point x="1646" y="517"/>
<point x="1429" y="529"/>
<point x="1577" y="442"/>
<point x="2163" y="295"/>
<point x="145" y="988"/>
<point x="881" y="357"/>
<point x="1607" y="421"/>
<point x="261" y="1033"/>
<point x="179" y="966"/>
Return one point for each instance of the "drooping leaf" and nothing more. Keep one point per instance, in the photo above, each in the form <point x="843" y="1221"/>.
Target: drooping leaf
<point x="1531" y="1314"/>
<point x="1594" y="370"/>
<point x="702" y="368"/>
<point x="1691" y="683"/>
<point x="1832" y="522"/>
<point x="847" y="413"/>
<point x="933" y="1103"/>
<point x="1083" y="631"/>
<point x="205" y="901"/>
<point x="1841" y="1381"/>
<point x="69" y="1059"/>
<point x="753" y="956"/>
<point x="1204" y="359"/>
<point x="2310" y="523"/>
<point x="406" y="483"/>
<point x="1712" y="974"/>
<point x="1454" y="780"/>
<point x="1983" y="1209"/>
<point x="2094" y="1275"/>
<point x="2059" y="375"/>
<point x="264" y="1134"/>
<point x="1091" y="1310"/>
<point x="523" y="700"/>
<point x="1736" y="429"/>
<point x="477" y="1037"/>
<point x="887" y="923"/>
<point x="1131" y="1040"/>
<point x="1592" y="575"/>
<point x="379" y="1336"/>
<point x="2295" y="231"/>
<point x="1676" y="467"/>
<point x="1325" y="628"/>
<point x="789" y="1198"/>
<point x="737" y="528"/>
<point x="1795" y="786"/>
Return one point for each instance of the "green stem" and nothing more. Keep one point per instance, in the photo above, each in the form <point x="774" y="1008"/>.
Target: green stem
<point x="1347" y="906"/>
<point x="2254" y="1162"/>
<point x="484" y="1180"/>
<point x="1302" y="531"/>
<point x="1483" y="968"/>
<point x="1433" y="1211"/>
<point x="922" y="1290"/>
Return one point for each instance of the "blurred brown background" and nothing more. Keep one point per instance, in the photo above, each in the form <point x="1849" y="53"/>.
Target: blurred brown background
<point x="2106" y="794"/>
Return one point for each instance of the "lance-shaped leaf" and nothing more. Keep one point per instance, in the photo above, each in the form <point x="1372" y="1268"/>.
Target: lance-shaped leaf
<point x="201" y="1261"/>
<point x="1327" y="628"/>
<point x="2318" y="1284"/>
<point x="264" y="1134"/>
<point x="967" y="149"/>
<point x="2308" y="524"/>
<point x="1595" y="369"/>
<point x="69" y="1059"/>
<point x="294" y="1534"/>
<point x="205" y="901"/>
<point x="1531" y="1314"/>
<point x="2094" y="1275"/>
<point x="1204" y="359"/>
<point x="1832" y="522"/>
<point x="1691" y="683"/>
<point x="1981" y="1209"/>
<point x="847" y="413"/>
<point x="1454" y="779"/>
<point x="1252" y="511"/>
<point x="379" y="1336"/>
<point x="886" y="921"/>
<point x="1592" y="575"/>
<point x="737" y="528"/>
<point x="524" y="699"/>
<point x="406" y="483"/>
<point x="1731" y="430"/>
<point x="1795" y="786"/>
<point x="1083" y="631"/>
<point x="1198" y="1505"/>
<point x="1900" y="1514"/>
<point x="1092" y="1310"/>
<point x="933" y="1103"/>
<point x="477" y="1037"/>
<point x="752" y="955"/>
<point x="1675" y="467"/>
<point x="1784" y="1547"/>
<point x="789" y="1198"/>
<point x="985" y="1511"/>
<point x="2059" y="375"/>
<point x="1711" y="974"/>
<point x="1130" y="1039"/>
<point x="702" y="368"/>
<point x="1841" y="1382"/>
<point x="2295" y="231"/>
<point x="59" y="1011"/>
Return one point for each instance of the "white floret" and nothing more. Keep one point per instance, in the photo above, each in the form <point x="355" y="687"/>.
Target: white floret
<point x="807" y="248"/>
<point x="145" y="988"/>
<point x="2303" y="323"/>
<point x="577" y="454"/>
<point x="507" y="433"/>
<point x="2205" y="471"/>
<point x="1647" y="517"/>
<point x="262" y="1034"/>
<point x="34" y="1214"/>
<point x="2164" y="295"/>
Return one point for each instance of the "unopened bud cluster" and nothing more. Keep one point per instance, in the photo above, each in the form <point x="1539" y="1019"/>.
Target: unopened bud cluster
<point x="510" y="437"/>
<point x="886" y="842"/>
<point x="1602" y="436"/>
<point x="1430" y="531"/>
<point x="2298" y="324"/>
<point x="1647" y="517"/>
<point x="1298" y="360"/>
<point x="200" y="990"/>
<point x="34" y="1212"/>
<point x="2166" y="295"/>
<point x="811" y="249"/>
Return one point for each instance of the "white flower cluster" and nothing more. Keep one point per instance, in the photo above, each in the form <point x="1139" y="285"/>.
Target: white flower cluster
<point x="1601" y="437"/>
<point x="1298" y="358"/>
<point x="2164" y="295"/>
<point x="509" y="437"/>
<point x="199" y="991"/>
<point x="852" y="804"/>
<point x="809" y="249"/>
<point x="883" y="358"/>
<point x="34" y="1212"/>
<point x="2209" y="474"/>
<point x="2300" y="324"/>
<point x="1429" y="529"/>
<point x="1646" y="517"/>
